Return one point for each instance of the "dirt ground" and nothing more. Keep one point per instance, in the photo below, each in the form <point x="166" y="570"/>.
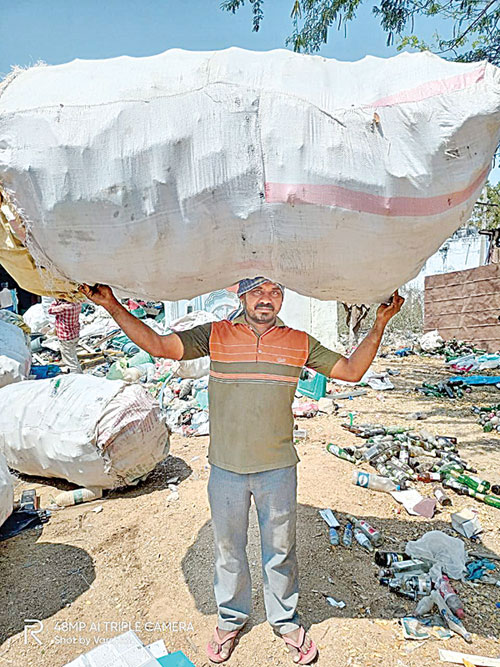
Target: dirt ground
<point x="145" y="562"/>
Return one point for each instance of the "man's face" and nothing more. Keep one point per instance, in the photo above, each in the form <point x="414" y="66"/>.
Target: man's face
<point x="263" y="303"/>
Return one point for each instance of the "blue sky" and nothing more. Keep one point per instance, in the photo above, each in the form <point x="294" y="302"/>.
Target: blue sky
<point x="56" y="31"/>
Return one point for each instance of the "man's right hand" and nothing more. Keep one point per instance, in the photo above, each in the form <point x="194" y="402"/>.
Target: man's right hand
<point x="99" y="294"/>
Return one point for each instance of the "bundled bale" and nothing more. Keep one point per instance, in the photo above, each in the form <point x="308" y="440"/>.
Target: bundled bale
<point x="85" y="429"/>
<point x="6" y="491"/>
<point x="191" y="170"/>
<point x="15" y="354"/>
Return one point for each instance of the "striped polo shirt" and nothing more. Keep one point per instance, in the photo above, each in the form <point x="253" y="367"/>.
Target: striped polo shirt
<point x="251" y="388"/>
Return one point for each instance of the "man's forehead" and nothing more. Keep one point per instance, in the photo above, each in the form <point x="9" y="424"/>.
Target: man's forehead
<point x="268" y="285"/>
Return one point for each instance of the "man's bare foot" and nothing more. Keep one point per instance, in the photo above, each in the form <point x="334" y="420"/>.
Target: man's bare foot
<point x="226" y="649"/>
<point x="295" y="636"/>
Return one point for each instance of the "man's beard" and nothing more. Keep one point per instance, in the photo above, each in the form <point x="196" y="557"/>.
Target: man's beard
<point x="263" y="314"/>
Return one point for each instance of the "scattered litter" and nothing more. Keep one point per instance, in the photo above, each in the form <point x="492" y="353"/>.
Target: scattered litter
<point x="78" y="496"/>
<point x="330" y="518"/>
<point x="413" y="629"/>
<point x="408" y="498"/>
<point x="458" y="659"/>
<point x="339" y="604"/>
<point x="20" y="520"/>
<point x="437" y="547"/>
<point x="466" y="522"/>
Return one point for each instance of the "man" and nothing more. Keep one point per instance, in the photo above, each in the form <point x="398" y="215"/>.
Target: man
<point x="255" y="363"/>
<point x="67" y="316"/>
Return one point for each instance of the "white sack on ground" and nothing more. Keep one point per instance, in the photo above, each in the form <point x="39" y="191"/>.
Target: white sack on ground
<point x="15" y="354"/>
<point x="85" y="429"/>
<point x="6" y="491"/>
<point x="177" y="174"/>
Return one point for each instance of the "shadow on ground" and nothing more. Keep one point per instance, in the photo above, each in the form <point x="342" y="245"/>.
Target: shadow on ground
<point x="25" y="568"/>
<point x="345" y="574"/>
<point x="158" y="478"/>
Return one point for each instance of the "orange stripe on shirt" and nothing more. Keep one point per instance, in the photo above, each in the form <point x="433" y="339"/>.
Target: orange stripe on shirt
<point x="254" y="376"/>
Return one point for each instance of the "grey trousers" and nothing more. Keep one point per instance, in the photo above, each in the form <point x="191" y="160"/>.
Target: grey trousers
<point x="275" y="497"/>
<point x="68" y="355"/>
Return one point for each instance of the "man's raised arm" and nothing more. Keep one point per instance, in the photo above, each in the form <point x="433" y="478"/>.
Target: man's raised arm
<point x="169" y="346"/>
<point x="352" y="369"/>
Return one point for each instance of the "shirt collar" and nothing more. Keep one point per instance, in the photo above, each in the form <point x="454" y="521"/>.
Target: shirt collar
<point x="240" y="319"/>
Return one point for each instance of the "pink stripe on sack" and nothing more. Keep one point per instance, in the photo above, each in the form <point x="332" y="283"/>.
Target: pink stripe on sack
<point x="334" y="195"/>
<point x="432" y="88"/>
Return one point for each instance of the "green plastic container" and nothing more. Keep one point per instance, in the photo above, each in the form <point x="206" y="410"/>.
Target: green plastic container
<point x="313" y="385"/>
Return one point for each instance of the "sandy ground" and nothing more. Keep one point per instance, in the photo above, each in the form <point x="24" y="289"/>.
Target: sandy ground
<point x="145" y="562"/>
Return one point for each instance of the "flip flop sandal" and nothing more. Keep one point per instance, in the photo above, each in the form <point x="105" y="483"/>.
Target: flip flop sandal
<point x="215" y="656"/>
<point x="306" y="657"/>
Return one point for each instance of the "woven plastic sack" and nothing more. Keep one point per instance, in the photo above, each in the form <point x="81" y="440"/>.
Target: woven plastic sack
<point x="15" y="354"/>
<point x="6" y="490"/>
<point x="178" y="174"/>
<point x="88" y="430"/>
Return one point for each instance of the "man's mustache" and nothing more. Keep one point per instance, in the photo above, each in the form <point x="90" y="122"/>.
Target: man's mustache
<point x="264" y="305"/>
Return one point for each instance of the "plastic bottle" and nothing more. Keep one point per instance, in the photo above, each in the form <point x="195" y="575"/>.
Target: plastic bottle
<point x="334" y="537"/>
<point x="77" y="496"/>
<point x="362" y="540"/>
<point x="374" y="482"/>
<point x="347" y="536"/>
<point x="375" y="536"/>
<point x="450" y="597"/>
<point x="340" y="452"/>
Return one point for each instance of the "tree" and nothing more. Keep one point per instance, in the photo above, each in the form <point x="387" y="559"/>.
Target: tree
<point x="475" y="24"/>
<point x="486" y="212"/>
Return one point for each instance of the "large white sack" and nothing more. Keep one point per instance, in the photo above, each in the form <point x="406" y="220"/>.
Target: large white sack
<point x="85" y="429"/>
<point x="15" y="354"/>
<point x="178" y="174"/>
<point x="6" y="490"/>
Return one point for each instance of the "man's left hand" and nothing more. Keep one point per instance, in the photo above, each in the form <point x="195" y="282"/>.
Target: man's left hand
<point x="386" y="311"/>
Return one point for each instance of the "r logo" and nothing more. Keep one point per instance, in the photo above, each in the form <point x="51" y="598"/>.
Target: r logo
<point x="34" y="626"/>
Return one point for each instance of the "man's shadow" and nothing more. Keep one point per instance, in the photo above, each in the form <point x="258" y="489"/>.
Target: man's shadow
<point x="38" y="580"/>
<point x="346" y="574"/>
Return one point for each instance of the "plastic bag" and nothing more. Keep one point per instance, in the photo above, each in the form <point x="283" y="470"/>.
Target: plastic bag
<point x="437" y="547"/>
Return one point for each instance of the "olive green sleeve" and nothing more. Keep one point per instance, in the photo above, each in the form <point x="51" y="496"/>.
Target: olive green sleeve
<point x="196" y="341"/>
<point x="320" y="358"/>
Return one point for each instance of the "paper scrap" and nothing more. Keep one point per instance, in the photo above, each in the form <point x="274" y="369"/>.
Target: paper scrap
<point x="458" y="658"/>
<point x="340" y="604"/>
<point x="329" y="517"/>
<point x="408" y="499"/>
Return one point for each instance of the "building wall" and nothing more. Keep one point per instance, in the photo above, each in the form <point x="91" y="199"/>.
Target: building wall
<point x="465" y="305"/>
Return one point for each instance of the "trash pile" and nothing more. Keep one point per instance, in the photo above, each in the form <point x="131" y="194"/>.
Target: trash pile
<point x="489" y="417"/>
<point x="451" y="388"/>
<point x="420" y="572"/>
<point x="431" y="343"/>
<point x="402" y="456"/>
